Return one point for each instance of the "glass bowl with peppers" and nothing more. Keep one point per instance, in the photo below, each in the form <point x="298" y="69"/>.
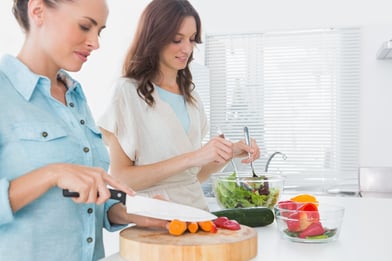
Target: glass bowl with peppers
<point x="308" y="222"/>
<point x="241" y="190"/>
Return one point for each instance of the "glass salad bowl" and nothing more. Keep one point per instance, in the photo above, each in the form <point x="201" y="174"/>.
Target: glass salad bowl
<point x="241" y="190"/>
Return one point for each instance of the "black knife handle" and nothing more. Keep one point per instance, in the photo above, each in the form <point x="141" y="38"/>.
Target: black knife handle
<point x="114" y="194"/>
<point x="118" y="194"/>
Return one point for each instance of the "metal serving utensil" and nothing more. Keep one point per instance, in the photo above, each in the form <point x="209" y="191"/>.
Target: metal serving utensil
<point x="238" y="182"/>
<point x="247" y="139"/>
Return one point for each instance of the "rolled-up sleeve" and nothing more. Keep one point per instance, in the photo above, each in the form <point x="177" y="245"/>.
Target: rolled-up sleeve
<point x="109" y="226"/>
<point x="6" y="214"/>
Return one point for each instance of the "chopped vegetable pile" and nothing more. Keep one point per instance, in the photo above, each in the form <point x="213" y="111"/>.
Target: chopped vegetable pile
<point x="245" y="194"/>
<point x="177" y="227"/>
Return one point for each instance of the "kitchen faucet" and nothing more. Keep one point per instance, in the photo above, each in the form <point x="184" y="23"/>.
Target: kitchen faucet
<point x="270" y="158"/>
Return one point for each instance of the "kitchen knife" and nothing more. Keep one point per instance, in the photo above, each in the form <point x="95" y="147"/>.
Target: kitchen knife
<point x="155" y="208"/>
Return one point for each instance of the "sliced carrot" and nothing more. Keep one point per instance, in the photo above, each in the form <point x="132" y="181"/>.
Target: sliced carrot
<point x="177" y="227"/>
<point x="193" y="227"/>
<point x="207" y="226"/>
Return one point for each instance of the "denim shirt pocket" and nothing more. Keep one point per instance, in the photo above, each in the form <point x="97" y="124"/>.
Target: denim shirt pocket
<point x="37" y="144"/>
<point x="39" y="132"/>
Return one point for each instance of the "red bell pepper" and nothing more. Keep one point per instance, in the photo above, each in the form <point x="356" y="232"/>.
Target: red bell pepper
<point x="289" y="205"/>
<point x="314" y="229"/>
<point x="299" y="220"/>
<point x="309" y="207"/>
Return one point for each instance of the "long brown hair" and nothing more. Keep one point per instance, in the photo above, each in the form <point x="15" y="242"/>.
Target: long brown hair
<point x="158" y="25"/>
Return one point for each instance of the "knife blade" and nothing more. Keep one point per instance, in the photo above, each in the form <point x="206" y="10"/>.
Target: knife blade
<point x="166" y="210"/>
<point x="114" y="194"/>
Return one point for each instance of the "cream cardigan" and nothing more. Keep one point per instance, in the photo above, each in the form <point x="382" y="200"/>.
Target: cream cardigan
<point x="152" y="134"/>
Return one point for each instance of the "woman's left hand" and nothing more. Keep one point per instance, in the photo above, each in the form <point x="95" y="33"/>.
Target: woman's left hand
<point x="241" y="150"/>
<point x="118" y="215"/>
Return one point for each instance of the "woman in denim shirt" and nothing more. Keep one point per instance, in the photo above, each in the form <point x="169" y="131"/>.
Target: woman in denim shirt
<point x="49" y="141"/>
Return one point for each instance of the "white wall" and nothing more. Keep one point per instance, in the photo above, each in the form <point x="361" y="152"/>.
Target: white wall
<point x="223" y="16"/>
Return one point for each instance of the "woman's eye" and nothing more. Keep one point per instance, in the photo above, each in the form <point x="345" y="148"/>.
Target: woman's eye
<point x="176" y="41"/>
<point x="84" y="28"/>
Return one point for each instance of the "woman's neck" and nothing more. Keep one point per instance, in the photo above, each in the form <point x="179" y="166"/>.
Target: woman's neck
<point x="168" y="84"/>
<point x="36" y="61"/>
<point x="41" y="65"/>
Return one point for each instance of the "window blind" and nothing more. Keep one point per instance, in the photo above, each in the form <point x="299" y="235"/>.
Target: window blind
<point x="298" y="93"/>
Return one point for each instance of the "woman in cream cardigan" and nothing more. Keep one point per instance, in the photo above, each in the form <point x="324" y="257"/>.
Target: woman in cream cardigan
<point x="155" y="123"/>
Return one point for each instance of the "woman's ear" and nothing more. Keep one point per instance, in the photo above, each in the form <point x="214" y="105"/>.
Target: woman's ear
<point x="36" y="12"/>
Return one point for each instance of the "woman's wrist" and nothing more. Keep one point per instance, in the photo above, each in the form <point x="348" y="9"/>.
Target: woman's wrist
<point x="117" y="214"/>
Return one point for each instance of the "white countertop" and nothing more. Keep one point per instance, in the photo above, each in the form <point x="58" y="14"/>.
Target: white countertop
<point x="365" y="234"/>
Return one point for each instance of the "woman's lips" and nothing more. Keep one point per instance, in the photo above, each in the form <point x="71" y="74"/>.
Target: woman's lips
<point x="82" y="55"/>
<point x="182" y="59"/>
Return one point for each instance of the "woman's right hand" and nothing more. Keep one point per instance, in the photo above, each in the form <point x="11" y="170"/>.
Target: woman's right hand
<point x="90" y="182"/>
<point x="218" y="150"/>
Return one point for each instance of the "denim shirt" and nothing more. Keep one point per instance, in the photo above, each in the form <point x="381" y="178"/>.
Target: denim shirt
<point x="36" y="130"/>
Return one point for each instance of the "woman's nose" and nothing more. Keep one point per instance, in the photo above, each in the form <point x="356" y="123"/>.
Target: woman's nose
<point x="93" y="41"/>
<point x="188" y="47"/>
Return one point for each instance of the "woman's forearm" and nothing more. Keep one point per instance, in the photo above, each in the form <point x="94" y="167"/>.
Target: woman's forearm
<point x="29" y="187"/>
<point x="145" y="176"/>
<point x="206" y="171"/>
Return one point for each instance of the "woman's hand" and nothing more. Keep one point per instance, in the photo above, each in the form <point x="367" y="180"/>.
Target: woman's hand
<point x="241" y="150"/>
<point x="91" y="183"/>
<point x="221" y="151"/>
<point x="118" y="215"/>
<point x="217" y="150"/>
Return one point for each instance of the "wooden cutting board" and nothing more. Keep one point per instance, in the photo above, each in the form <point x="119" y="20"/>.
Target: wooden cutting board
<point x="141" y="244"/>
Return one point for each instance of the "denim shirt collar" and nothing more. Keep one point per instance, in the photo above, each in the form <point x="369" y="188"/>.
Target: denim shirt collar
<point x="25" y="81"/>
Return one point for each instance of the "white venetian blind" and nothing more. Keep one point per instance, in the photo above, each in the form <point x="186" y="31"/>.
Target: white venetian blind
<point x="298" y="93"/>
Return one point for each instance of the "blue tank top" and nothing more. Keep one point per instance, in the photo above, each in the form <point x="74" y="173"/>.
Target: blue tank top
<point x="178" y="104"/>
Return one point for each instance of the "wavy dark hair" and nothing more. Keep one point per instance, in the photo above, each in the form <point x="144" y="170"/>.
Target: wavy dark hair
<point x="19" y="9"/>
<point x="158" y="26"/>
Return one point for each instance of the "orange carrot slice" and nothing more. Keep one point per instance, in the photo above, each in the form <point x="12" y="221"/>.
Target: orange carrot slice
<point x="193" y="227"/>
<point x="177" y="227"/>
<point x="208" y="226"/>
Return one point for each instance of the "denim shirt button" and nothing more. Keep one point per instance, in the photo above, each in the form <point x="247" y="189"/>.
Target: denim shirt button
<point x="89" y="210"/>
<point x="71" y="104"/>
<point x="85" y="149"/>
<point x="82" y="122"/>
<point x="89" y="240"/>
<point x="44" y="134"/>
